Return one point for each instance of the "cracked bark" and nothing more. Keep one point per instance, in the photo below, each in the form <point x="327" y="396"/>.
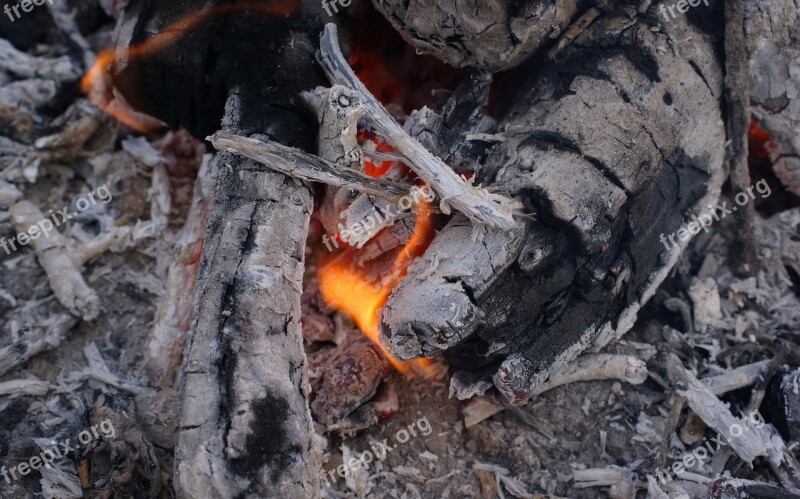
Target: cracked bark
<point x="245" y="424"/>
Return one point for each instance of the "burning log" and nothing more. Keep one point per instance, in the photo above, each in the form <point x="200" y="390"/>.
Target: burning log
<point x="245" y="425"/>
<point x="513" y="306"/>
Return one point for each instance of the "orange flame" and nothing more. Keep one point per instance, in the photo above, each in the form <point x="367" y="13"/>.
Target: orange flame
<point x="350" y="293"/>
<point x="97" y="85"/>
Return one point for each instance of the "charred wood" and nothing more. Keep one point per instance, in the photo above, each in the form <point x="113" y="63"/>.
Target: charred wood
<point x="597" y="160"/>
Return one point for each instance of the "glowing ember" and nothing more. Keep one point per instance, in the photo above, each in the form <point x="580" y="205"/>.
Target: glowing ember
<point x="97" y="85"/>
<point x="349" y="292"/>
<point x="760" y="144"/>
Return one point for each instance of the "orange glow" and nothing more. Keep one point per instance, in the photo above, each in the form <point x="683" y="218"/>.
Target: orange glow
<point x="760" y="141"/>
<point x="96" y="83"/>
<point x="347" y="291"/>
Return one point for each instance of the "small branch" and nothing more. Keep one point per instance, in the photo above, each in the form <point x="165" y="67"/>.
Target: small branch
<point x="62" y="260"/>
<point x="480" y="205"/>
<point x="595" y="367"/>
<point x="300" y="164"/>
<point x="736" y="378"/>
<point x="591" y="367"/>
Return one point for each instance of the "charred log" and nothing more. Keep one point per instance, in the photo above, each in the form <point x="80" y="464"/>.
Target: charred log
<point x="245" y="425"/>
<point x="613" y="148"/>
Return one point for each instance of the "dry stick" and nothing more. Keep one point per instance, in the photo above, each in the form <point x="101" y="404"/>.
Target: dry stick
<point x="478" y="204"/>
<point x="736" y="378"/>
<point x="670" y="425"/>
<point x="751" y="443"/>
<point x="62" y="259"/>
<point x="759" y="389"/>
<point x="297" y="163"/>
<point x="737" y="95"/>
<point x="590" y="367"/>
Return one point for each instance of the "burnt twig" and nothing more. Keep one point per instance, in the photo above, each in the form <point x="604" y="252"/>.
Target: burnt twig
<point x="478" y="204"/>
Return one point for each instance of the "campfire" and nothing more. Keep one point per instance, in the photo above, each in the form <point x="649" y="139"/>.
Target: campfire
<point x="273" y="248"/>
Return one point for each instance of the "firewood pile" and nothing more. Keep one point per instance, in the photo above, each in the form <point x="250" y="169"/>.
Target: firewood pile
<point x="282" y="248"/>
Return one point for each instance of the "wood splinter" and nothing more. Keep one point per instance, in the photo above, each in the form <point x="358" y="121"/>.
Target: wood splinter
<point x="300" y="164"/>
